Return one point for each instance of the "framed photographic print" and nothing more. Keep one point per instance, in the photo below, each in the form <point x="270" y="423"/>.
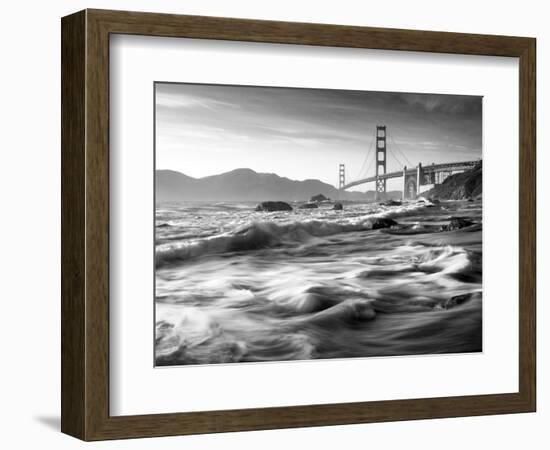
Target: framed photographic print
<point x="271" y="224"/>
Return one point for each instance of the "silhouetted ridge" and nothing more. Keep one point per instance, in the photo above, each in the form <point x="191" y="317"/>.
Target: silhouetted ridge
<point x="244" y="184"/>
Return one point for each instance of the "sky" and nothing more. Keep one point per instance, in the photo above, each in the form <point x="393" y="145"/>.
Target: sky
<point x="300" y="133"/>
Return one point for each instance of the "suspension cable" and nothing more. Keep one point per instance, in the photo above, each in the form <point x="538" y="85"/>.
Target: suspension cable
<point x="365" y="161"/>
<point x="399" y="163"/>
<point x="398" y="148"/>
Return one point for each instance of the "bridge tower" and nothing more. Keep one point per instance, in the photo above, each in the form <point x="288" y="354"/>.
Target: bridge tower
<point x="341" y="176"/>
<point x="380" y="159"/>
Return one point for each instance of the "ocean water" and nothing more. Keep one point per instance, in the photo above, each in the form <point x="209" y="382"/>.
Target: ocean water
<point x="235" y="285"/>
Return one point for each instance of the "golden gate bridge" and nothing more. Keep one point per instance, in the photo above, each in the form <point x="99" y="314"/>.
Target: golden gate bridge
<point x="413" y="176"/>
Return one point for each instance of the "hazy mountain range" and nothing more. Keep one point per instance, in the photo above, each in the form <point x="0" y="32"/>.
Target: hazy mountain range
<point x="247" y="185"/>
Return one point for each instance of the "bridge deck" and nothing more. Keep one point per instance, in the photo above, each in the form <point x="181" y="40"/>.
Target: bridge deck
<point x="432" y="168"/>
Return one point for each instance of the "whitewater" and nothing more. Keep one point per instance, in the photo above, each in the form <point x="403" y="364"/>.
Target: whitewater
<point x="236" y="285"/>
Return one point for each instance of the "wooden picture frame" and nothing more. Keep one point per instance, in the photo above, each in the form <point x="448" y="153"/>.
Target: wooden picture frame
<point x="85" y="224"/>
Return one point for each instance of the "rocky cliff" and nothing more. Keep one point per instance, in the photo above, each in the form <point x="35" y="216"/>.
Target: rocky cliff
<point x="460" y="186"/>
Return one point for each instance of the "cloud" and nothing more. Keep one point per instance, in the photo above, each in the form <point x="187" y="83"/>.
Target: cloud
<point x="326" y="125"/>
<point x="445" y="104"/>
<point x="165" y="100"/>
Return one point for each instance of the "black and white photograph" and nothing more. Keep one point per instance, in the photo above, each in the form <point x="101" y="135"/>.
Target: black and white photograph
<point x="303" y="224"/>
<point x="272" y="225"/>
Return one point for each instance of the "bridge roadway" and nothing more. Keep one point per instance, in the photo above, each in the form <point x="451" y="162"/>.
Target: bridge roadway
<point x="432" y="168"/>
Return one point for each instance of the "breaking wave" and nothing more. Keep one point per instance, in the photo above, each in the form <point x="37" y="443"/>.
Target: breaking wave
<point x="270" y="234"/>
<point x="320" y="285"/>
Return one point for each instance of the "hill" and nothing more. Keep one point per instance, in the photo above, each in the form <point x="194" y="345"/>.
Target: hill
<point x="460" y="186"/>
<point x="246" y="185"/>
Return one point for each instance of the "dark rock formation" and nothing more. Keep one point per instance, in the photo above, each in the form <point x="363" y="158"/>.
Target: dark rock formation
<point x="459" y="300"/>
<point x="308" y="206"/>
<point x="338" y="206"/>
<point x="457" y="223"/>
<point x="273" y="206"/>
<point x="391" y="203"/>
<point x="411" y="230"/>
<point x="319" y="198"/>
<point x="383" y="222"/>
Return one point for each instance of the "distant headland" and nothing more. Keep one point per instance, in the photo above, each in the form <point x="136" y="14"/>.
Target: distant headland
<point x="247" y="185"/>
